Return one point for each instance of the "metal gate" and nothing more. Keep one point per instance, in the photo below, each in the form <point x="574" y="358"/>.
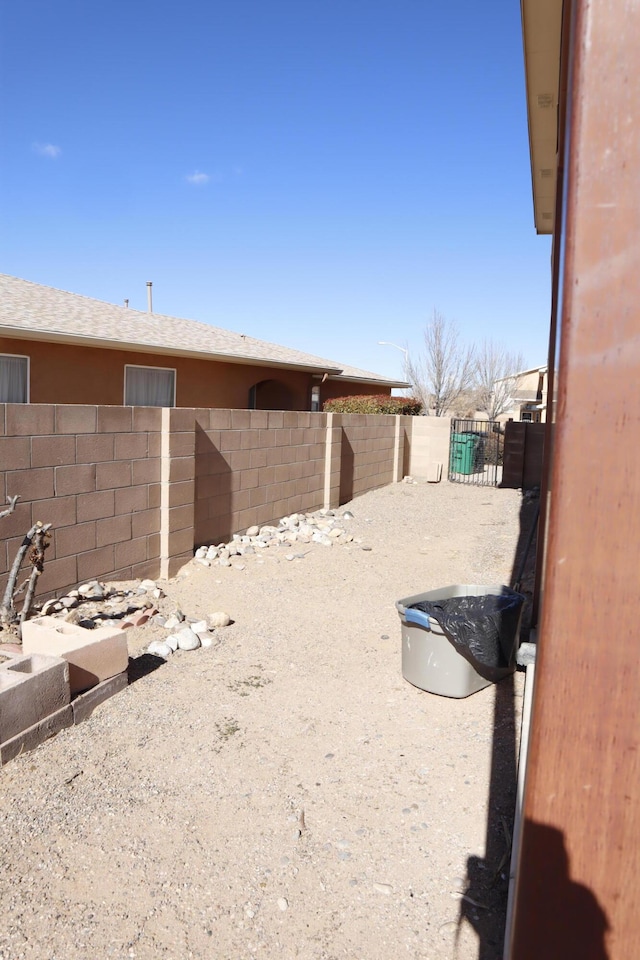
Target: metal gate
<point x="476" y="452"/>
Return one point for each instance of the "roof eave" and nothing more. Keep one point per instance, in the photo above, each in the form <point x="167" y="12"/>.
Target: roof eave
<point x="541" y="37"/>
<point x="400" y="384"/>
<point x="48" y="336"/>
<point x="520" y="374"/>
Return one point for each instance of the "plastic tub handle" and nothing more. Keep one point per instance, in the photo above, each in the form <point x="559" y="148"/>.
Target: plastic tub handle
<point x="418" y="617"/>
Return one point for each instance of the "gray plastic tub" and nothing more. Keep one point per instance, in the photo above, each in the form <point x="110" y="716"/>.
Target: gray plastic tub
<point x="429" y="659"/>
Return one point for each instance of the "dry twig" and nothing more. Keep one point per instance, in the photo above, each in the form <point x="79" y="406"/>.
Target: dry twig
<point x="38" y="540"/>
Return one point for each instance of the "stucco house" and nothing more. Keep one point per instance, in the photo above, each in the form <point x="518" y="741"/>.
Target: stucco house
<point x="59" y="347"/>
<point x="527" y="391"/>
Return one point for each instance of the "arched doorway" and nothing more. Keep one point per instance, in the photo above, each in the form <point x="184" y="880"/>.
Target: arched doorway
<point x="270" y="395"/>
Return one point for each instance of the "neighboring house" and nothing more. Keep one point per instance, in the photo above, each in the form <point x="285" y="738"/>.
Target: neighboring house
<point x="527" y="395"/>
<point x="59" y="347"/>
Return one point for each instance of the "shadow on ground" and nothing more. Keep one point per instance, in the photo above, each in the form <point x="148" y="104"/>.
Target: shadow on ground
<point x="484" y="902"/>
<point x="143" y="665"/>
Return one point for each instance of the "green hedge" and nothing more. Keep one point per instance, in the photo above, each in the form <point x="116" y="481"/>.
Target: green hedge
<point x="405" y="406"/>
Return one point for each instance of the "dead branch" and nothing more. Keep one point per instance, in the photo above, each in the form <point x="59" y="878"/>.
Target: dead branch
<point x="37" y="538"/>
<point x="36" y="557"/>
<point x="12" y="505"/>
<point x="21" y="589"/>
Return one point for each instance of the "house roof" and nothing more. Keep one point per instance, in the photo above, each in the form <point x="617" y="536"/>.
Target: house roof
<point x="354" y="375"/>
<point x="521" y="373"/>
<point x="32" y="311"/>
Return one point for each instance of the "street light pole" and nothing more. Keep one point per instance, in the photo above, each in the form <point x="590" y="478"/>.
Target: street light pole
<point x="387" y="343"/>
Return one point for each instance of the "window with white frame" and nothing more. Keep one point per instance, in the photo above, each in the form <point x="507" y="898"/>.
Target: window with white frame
<point x="149" y="386"/>
<point x="14" y="379"/>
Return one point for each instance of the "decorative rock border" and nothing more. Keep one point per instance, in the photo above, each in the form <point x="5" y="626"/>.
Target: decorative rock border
<point x="323" y="527"/>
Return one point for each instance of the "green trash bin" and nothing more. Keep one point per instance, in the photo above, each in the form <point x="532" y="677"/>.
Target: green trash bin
<point x="463" y="453"/>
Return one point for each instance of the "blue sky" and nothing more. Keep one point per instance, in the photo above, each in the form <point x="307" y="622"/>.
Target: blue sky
<point x="319" y="173"/>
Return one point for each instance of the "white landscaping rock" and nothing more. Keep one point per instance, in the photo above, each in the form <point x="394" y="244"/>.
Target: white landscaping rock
<point x="51" y="606"/>
<point x="201" y="553"/>
<point x="159" y="649"/>
<point x="322" y="539"/>
<point x="218" y="619"/>
<point x="188" y="640"/>
<point x="201" y="626"/>
<point x="172" y="642"/>
<point x="267" y="532"/>
<point x="92" y="590"/>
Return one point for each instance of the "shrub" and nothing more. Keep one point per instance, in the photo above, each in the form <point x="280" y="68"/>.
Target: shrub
<point x="378" y="403"/>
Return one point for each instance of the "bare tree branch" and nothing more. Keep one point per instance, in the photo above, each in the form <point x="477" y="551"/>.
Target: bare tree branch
<point x="40" y="544"/>
<point x="12" y="505"/>
<point x="37" y="538"/>
<point x="495" y="377"/>
<point x="444" y="370"/>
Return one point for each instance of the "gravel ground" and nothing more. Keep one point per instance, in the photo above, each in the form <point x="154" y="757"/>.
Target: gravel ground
<point x="284" y="792"/>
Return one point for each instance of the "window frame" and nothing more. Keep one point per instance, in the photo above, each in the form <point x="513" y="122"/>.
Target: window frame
<point x="146" y="366"/>
<point x="21" y="356"/>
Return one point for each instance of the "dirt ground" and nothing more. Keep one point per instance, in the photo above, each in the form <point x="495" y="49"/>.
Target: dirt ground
<point x="284" y="793"/>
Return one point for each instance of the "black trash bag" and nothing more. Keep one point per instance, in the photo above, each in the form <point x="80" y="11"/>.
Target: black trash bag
<point x="482" y="629"/>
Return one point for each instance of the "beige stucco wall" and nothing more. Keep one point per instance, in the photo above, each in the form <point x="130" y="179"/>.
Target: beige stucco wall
<point x="429" y="444"/>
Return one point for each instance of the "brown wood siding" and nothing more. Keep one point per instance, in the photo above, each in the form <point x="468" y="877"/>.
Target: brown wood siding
<point x="577" y="881"/>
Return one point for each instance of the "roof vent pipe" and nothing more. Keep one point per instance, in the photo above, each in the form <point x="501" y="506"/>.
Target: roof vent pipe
<point x="149" y="297"/>
<point x="126" y="302"/>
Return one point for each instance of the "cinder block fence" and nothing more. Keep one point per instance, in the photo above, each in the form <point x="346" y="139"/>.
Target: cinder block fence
<point x="130" y="491"/>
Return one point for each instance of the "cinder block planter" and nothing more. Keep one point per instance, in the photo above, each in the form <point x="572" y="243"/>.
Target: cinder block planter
<point x="92" y="655"/>
<point x="33" y="736"/>
<point x="31" y="688"/>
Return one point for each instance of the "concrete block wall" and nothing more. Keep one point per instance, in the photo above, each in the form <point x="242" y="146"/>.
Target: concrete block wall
<point x="255" y="466"/>
<point x="368" y="446"/>
<point x="130" y="491"/>
<point x="430" y="437"/>
<point x="94" y="474"/>
<point x="333" y="461"/>
<point x="177" y="489"/>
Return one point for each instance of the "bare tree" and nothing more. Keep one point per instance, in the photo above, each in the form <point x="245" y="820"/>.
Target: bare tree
<point x="445" y="370"/>
<point x="496" y="377"/>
